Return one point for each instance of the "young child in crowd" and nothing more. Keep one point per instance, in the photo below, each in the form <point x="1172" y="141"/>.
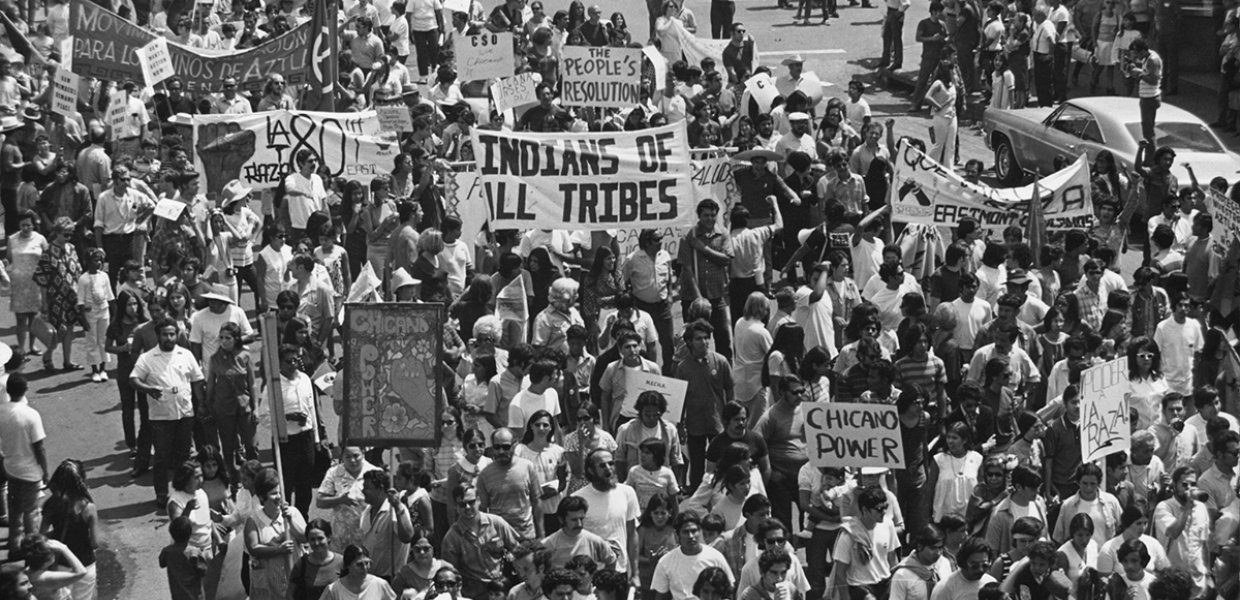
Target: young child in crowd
<point x="94" y="291"/>
<point x="651" y="475"/>
<point x="185" y="564"/>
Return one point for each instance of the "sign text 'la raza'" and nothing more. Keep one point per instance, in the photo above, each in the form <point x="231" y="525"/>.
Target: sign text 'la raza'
<point x="606" y="180"/>
<point x="106" y="46"/>
<point x="1104" y="411"/>
<point x="840" y="434"/>
<point x="261" y="148"/>
<point x="604" y="76"/>
<point x="926" y="192"/>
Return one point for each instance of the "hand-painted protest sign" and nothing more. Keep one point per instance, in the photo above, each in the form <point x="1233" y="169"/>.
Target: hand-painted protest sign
<point x="926" y="192"/>
<point x="712" y="178"/>
<point x="1226" y="215"/>
<point x="156" y="61"/>
<point x="515" y="91"/>
<point x="761" y="88"/>
<point x="391" y="384"/>
<point x="106" y="46"/>
<point x="604" y="76"/>
<point x="1104" y="410"/>
<point x="66" y="53"/>
<point x="672" y="389"/>
<point x="603" y="180"/>
<point x="484" y="56"/>
<point x="117" y="103"/>
<point x="395" y="118"/>
<point x="840" y="434"/>
<point x="65" y="93"/>
<point x="261" y="148"/>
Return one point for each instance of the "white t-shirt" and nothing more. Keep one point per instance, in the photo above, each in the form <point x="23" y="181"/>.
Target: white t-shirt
<point x="881" y="540"/>
<point x="20" y="428"/>
<point x="856" y="113"/>
<point x="971" y="317"/>
<point x="301" y="206"/>
<point x="866" y="257"/>
<point x="204" y="328"/>
<point x="677" y="572"/>
<point x="526" y="403"/>
<point x="1177" y="343"/>
<point x="609" y="516"/>
<point x="457" y="259"/>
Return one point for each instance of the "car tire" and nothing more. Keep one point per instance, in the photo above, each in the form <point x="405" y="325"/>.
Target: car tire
<point x="1007" y="168"/>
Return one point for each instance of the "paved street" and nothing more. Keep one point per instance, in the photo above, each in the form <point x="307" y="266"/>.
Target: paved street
<point x="82" y="418"/>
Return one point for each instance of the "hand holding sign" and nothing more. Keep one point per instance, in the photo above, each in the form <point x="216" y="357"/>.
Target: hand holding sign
<point x="223" y="148"/>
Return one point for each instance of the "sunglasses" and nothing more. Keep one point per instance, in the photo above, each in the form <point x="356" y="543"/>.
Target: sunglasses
<point x="466" y="503"/>
<point x="502" y="447"/>
<point x="448" y="584"/>
<point x="449" y="422"/>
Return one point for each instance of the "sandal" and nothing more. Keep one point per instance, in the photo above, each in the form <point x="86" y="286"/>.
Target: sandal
<point x="72" y="367"/>
<point x="47" y="364"/>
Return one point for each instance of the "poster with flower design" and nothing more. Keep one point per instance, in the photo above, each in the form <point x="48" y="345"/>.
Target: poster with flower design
<point x="392" y="391"/>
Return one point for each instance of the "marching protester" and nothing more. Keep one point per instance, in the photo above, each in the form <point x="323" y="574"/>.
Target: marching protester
<point x="491" y="307"/>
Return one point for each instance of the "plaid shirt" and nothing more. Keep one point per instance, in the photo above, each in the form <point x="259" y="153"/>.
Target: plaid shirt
<point x="712" y="279"/>
<point x="1092" y="307"/>
<point x="1148" y="310"/>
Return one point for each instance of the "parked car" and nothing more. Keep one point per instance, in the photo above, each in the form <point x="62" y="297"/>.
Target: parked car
<point x="1028" y="140"/>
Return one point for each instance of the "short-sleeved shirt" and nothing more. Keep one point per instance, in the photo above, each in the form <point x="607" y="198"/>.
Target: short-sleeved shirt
<point x="881" y="540"/>
<point x="609" y="516"/>
<point x="757" y="446"/>
<point x="677" y="572"/>
<point x="783" y="428"/>
<point x="186" y="569"/>
<point x="526" y="403"/>
<point x="563" y="548"/>
<point x="20" y="428"/>
<point x="204" y="327"/>
<point x="508" y="492"/>
<point x="173" y="373"/>
<point x="747" y="251"/>
<point x="712" y="279"/>
<point x="300" y="207"/>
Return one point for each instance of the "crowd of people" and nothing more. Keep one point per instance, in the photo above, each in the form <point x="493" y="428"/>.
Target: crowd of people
<point x="553" y="478"/>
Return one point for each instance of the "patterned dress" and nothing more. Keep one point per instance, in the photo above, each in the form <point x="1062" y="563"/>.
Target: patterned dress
<point x="57" y="273"/>
<point x="180" y="236"/>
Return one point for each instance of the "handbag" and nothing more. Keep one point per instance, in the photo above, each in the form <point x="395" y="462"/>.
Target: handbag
<point x="1082" y="55"/>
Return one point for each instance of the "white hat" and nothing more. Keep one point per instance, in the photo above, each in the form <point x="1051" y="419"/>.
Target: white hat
<point x="402" y="278"/>
<point x="234" y="191"/>
<point x="217" y="292"/>
<point x="798" y="116"/>
<point x="873" y="470"/>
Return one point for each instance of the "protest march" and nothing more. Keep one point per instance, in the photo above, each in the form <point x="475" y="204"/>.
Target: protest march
<point x="518" y="300"/>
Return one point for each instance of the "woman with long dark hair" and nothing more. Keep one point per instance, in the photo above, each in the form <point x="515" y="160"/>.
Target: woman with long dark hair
<point x="751" y="347"/>
<point x="599" y="290"/>
<point x="233" y="397"/>
<point x="548" y="457"/>
<point x="783" y="359"/>
<point x="477" y="301"/>
<point x="356" y="582"/>
<point x="69" y="516"/>
<point x="1146" y="385"/>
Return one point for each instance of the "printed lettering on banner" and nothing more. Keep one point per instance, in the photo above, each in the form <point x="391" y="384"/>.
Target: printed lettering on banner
<point x="484" y="56"/>
<point x="117" y="103"/>
<point x="1104" y="410"/>
<point x="391" y="378"/>
<point x="712" y="178"/>
<point x="261" y="148"/>
<point x="841" y="434"/>
<point x="1226" y="220"/>
<point x="156" y="61"/>
<point x="588" y="181"/>
<point x="518" y="90"/>
<point x="672" y="389"/>
<point x="395" y="118"/>
<point x="762" y="89"/>
<point x="660" y="66"/>
<point x="107" y="46"/>
<point x="65" y="93"/>
<point x="924" y="191"/>
<point x="603" y="77"/>
<point x="456" y="6"/>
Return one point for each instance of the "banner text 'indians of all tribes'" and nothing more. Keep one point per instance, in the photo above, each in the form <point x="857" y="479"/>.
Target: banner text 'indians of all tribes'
<point x="926" y="192"/>
<point x="391" y="387"/>
<point x="261" y="148"/>
<point x="106" y="46"/>
<point x="606" y="180"/>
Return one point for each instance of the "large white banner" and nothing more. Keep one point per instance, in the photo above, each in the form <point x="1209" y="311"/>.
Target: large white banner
<point x="604" y="77"/>
<point x="586" y="181"/>
<point x="1104" y="410"/>
<point x="926" y="192"/>
<point x="260" y="148"/>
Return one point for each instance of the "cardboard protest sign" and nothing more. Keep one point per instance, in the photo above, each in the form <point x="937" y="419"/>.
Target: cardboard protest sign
<point x="66" y="53"/>
<point x="156" y="61"/>
<point x="926" y="192"/>
<point x="65" y="93"/>
<point x="261" y="148"/>
<point x="840" y="434"/>
<point x="117" y="103"/>
<point x="672" y="389"/>
<point x="392" y="394"/>
<point x="712" y="178"/>
<point x="1104" y="410"/>
<point x="1226" y="220"/>
<point x="484" y="56"/>
<point x="515" y="91"/>
<point x="106" y="46"/>
<point x="395" y="118"/>
<point x="603" y="76"/>
<point x="762" y="89"/>
<point x="598" y="180"/>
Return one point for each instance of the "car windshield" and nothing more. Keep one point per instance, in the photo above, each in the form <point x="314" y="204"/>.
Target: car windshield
<point x="1185" y="137"/>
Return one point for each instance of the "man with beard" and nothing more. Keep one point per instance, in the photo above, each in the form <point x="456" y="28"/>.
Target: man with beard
<point x="170" y="377"/>
<point x="1182" y="525"/>
<point x="477" y="543"/>
<point x="573" y="539"/>
<point x="510" y="487"/>
<point x="613" y="509"/>
<point x="974" y="560"/>
<point x="678" y="570"/>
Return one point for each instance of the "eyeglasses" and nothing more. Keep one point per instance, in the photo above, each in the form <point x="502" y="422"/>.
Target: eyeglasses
<point x="281" y="235"/>
<point x="421" y="548"/>
<point x="502" y="447"/>
<point x="776" y="541"/>
<point x="449" y="422"/>
<point x="448" y="584"/>
<point x="797" y="392"/>
<point x="466" y="503"/>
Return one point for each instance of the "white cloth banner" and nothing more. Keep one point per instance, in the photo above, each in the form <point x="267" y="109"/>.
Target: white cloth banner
<point x="261" y="148"/>
<point x="587" y="181"/>
<point x="926" y="192"/>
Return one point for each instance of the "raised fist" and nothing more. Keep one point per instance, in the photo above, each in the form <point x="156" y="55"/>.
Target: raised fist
<point x="223" y="148"/>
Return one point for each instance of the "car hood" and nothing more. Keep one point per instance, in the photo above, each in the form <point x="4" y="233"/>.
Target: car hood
<point x="1207" y="166"/>
<point x="1037" y="115"/>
